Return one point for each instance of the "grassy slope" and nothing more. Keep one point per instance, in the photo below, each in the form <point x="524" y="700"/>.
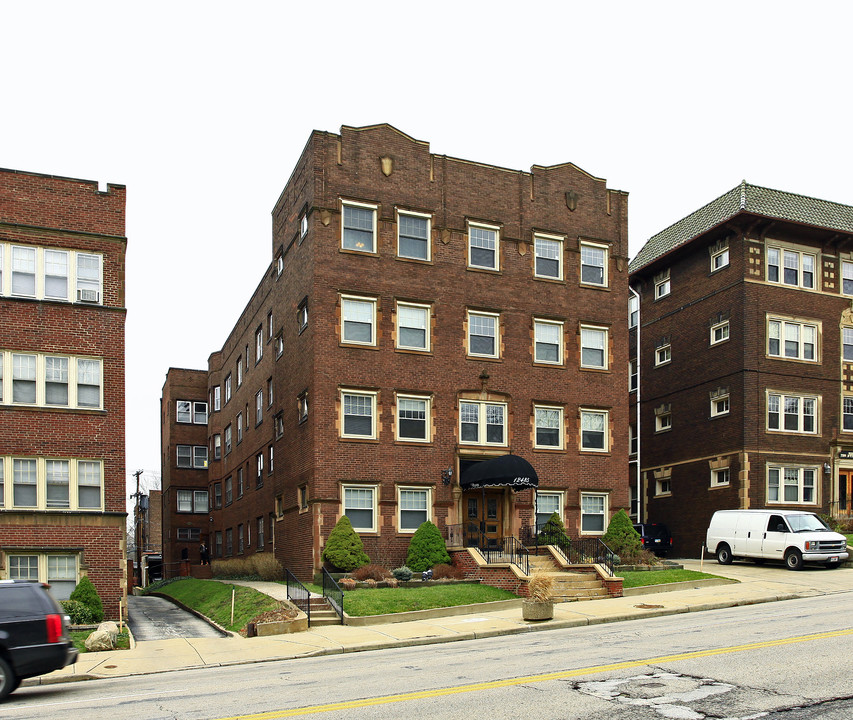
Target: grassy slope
<point x="660" y="577"/>
<point x="379" y="601"/>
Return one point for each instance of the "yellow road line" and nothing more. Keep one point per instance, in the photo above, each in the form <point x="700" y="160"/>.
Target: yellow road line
<point x="544" y="677"/>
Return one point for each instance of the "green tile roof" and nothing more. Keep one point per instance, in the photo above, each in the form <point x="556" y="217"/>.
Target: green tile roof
<point x="751" y="199"/>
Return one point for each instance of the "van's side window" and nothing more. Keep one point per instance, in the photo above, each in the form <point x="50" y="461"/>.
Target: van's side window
<point x="776" y="524"/>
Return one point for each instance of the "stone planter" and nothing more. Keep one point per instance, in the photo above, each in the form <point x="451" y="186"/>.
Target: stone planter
<point x="537" y="610"/>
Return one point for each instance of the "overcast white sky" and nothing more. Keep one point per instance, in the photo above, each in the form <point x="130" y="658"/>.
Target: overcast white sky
<point x="202" y="108"/>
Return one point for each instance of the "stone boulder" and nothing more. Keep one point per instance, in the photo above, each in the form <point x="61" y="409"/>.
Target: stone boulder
<point x="100" y="640"/>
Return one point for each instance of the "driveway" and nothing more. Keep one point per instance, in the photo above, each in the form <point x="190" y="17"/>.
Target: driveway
<point x="819" y="580"/>
<point x="153" y="618"/>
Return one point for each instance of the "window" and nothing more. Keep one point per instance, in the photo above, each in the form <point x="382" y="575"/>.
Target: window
<point x="199" y="456"/>
<point x="271" y="464"/>
<point x="24" y="379"/>
<point x="719" y="477"/>
<point x="847" y="344"/>
<point x="413" y="232"/>
<point x="719" y="259"/>
<point x="56" y="274"/>
<point x="199" y="413"/>
<point x="259" y="344"/>
<point x="259" y="468"/>
<point x="259" y="407"/>
<point x="483" y="243"/>
<point x="719" y="332"/>
<point x="483" y="334"/>
<point x="25" y="483"/>
<point x="549" y="428"/>
<point x="663" y="484"/>
<point x="217" y="495"/>
<point x="482" y="423"/>
<point x="217" y="446"/>
<point x="302" y="315"/>
<point x="633" y="311"/>
<point x="303" y="497"/>
<point x="358" y="414"/>
<point x="633" y="440"/>
<point x="358" y="317"/>
<point x="229" y="541"/>
<point x="791" y="413"/>
<point x="594" y="425"/>
<point x="847" y="277"/>
<point x="594" y="348"/>
<point x="847" y="412"/>
<point x="259" y="534"/>
<point x="192" y="501"/>
<point x="303" y="224"/>
<point x="228" y="388"/>
<point x="58" y="570"/>
<point x="51" y="381"/>
<point x="239" y="427"/>
<point x="662" y="285"/>
<point x="45" y="273"/>
<point x="183" y="411"/>
<point x="227" y="439"/>
<point x="663" y="354"/>
<point x="794" y="340"/>
<point x="413" y="504"/>
<point x="239" y="370"/>
<point x="88" y="277"/>
<point x="240" y="538"/>
<point x="279" y="426"/>
<point x="279" y="345"/>
<point x="633" y="376"/>
<point x="302" y="406"/>
<point x="217" y="398"/>
<point x="548" y="503"/>
<point x="663" y="421"/>
<point x="548" y="254"/>
<point x="360" y="507"/>
<point x="229" y="490"/>
<point x="791" y="485"/>
<point x="548" y="342"/>
<point x="359" y="227"/>
<point x="269" y="326"/>
<point x="217" y="544"/>
<point x="413" y="419"/>
<point x="279" y="264"/>
<point x="24" y="271"/>
<point x="593" y="513"/>
<point x="56" y="380"/>
<point x="413" y="325"/>
<point x="593" y="264"/>
<point x="189" y="534"/>
<point x="796" y="269"/>
<point x="269" y="392"/>
<point x="88" y="383"/>
<point x="185" y="456"/>
<point x="719" y="405"/>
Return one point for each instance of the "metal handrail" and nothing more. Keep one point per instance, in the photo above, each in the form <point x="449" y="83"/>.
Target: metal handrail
<point x="576" y="551"/>
<point x="333" y="594"/>
<point x="298" y="594"/>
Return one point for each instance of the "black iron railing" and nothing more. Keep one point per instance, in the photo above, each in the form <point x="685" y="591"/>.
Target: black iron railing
<point x="576" y="551"/>
<point x="333" y="594"/>
<point x="298" y="594"/>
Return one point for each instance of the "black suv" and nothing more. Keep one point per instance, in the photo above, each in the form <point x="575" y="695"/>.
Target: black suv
<point x="33" y="633"/>
<point x="655" y="537"/>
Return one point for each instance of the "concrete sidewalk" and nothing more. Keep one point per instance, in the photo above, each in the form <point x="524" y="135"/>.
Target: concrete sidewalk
<point x="755" y="584"/>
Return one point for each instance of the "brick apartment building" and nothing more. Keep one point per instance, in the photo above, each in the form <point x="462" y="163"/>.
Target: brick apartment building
<point x="421" y="313"/>
<point x="62" y="315"/>
<point x="746" y="361"/>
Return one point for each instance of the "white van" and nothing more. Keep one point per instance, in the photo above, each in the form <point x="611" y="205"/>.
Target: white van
<point x="790" y="535"/>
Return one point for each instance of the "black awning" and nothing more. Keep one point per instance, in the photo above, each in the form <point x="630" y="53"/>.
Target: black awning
<point x="504" y="471"/>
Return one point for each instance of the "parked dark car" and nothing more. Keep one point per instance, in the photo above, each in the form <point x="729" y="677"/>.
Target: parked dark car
<point x="33" y="633"/>
<point x="655" y="537"/>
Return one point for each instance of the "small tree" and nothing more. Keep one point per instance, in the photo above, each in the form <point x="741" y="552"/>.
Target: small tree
<point x="621" y="537"/>
<point x="344" y="548"/>
<point x="553" y="532"/>
<point x="86" y="593"/>
<point x="427" y="548"/>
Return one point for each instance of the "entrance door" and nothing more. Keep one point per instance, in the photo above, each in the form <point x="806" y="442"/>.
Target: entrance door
<point x="845" y="492"/>
<point x="484" y="517"/>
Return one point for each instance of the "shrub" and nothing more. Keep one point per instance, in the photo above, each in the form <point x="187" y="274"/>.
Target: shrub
<point x="370" y="572"/>
<point x="79" y="613"/>
<point x="391" y="582"/>
<point x="831" y="522"/>
<point x="370" y="583"/>
<point x="347" y="583"/>
<point x="541" y="587"/>
<point x="266" y="566"/>
<point x="553" y="532"/>
<point x="86" y="593"/>
<point x="621" y="537"/>
<point x="440" y="572"/>
<point x="261" y="566"/>
<point x="426" y="548"/>
<point x="402" y="573"/>
<point x="344" y="548"/>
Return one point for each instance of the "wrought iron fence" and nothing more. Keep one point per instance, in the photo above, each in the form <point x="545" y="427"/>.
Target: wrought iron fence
<point x="298" y="594"/>
<point x="333" y="594"/>
<point x="576" y="551"/>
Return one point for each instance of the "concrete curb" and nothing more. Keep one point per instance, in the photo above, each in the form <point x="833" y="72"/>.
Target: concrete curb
<point x="431" y="614"/>
<point x="670" y="587"/>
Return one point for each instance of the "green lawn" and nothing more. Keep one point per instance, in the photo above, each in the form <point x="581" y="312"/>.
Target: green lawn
<point x="849" y="538"/>
<point x="660" y="577"/>
<point x="213" y="600"/>
<point x="379" y="601"/>
<point x="78" y="637"/>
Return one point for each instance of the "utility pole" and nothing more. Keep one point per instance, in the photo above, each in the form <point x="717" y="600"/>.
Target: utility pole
<point x="138" y="530"/>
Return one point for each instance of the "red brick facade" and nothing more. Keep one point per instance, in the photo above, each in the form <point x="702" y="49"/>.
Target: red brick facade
<point x="317" y="466"/>
<point x="62" y="409"/>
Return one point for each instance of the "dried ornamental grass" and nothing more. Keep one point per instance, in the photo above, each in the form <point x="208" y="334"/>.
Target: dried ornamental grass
<point x="541" y="587"/>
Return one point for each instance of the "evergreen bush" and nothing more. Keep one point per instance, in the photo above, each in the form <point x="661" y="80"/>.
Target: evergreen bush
<point x="78" y="613"/>
<point x="553" y="532"/>
<point x="427" y="548"/>
<point x="344" y="549"/>
<point x="402" y="573"/>
<point x="86" y="593"/>
<point x="621" y="537"/>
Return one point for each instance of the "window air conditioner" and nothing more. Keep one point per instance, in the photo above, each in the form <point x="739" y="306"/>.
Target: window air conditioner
<point x="90" y="296"/>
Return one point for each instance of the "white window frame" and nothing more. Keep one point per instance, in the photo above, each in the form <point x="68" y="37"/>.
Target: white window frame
<point x="540" y="326"/>
<point x="371" y="398"/>
<point x="719" y="259"/>
<point x="847" y="277"/>
<point x="663" y="485"/>
<point x="663" y="355"/>
<point x="228" y="388"/>
<point x="847" y="344"/>
<point x="495" y="245"/>
<point x="217" y="398"/>
<point x="497" y="333"/>
<point x="590" y="412"/>
<point x="350" y="245"/>
<point x="239" y="372"/>
<point x="76" y="377"/>
<point x="783" y="481"/>
<point x="663" y="422"/>
<point x="720" y="332"/>
<point x="77" y="476"/>
<point x="228" y="439"/>
<point x="259" y="344"/>
<point x="67" y="581"/>
<point x="598" y="248"/>
<point x="428" y="239"/>
<point x="633" y="375"/>
<point x="847" y="413"/>
<point x="663" y="287"/>
<point x="587" y="332"/>
<point x="356" y="501"/>
<point x="302" y="407"/>
<point x="720" y="477"/>
<point x="720" y="405"/>
<point x="781" y="258"/>
<point x="783" y="325"/>
<point x="633" y="311"/>
<point x="552" y="495"/>
<point x="259" y="407"/>
<point x="585" y="510"/>
<point x="348" y="304"/>
<point x="405" y="494"/>
<point x="550" y="410"/>
<point x="482" y="408"/>
<point x="200" y="456"/>
<point x="427" y="401"/>
<point x="427" y="312"/>
<point x="543" y="247"/>
<point x="38" y="263"/>
<point x="633" y="440"/>
<point x="777" y="403"/>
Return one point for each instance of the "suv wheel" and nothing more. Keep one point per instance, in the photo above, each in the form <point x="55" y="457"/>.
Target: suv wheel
<point x="724" y="554"/>
<point x="8" y="681"/>
<point x="794" y="560"/>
